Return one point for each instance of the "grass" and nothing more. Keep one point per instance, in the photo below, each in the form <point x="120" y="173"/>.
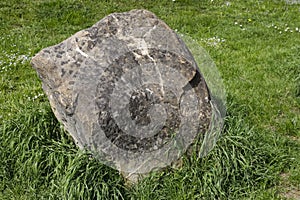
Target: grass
<point x="255" y="45"/>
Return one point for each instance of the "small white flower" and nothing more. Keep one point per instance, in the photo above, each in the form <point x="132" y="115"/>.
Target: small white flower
<point x="236" y="23"/>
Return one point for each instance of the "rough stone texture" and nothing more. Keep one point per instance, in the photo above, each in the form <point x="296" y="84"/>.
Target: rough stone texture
<point x="127" y="89"/>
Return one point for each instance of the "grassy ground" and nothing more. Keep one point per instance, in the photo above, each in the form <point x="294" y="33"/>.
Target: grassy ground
<point x="255" y="45"/>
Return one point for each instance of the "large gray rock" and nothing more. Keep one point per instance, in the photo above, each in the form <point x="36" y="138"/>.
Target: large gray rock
<point x="129" y="90"/>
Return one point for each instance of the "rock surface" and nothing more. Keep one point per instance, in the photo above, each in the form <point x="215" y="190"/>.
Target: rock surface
<point x="129" y="90"/>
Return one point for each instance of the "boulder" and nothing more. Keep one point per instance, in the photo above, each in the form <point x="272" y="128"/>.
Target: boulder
<point x="128" y="90"/>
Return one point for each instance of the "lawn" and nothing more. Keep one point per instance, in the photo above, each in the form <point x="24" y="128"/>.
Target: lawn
<point x="256" y="48"/>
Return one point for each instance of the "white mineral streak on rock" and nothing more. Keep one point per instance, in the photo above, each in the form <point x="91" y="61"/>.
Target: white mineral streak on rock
<point x="81" y="52"/>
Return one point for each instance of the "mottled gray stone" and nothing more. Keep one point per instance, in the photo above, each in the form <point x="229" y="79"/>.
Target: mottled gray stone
<point x="128" y="89"/>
